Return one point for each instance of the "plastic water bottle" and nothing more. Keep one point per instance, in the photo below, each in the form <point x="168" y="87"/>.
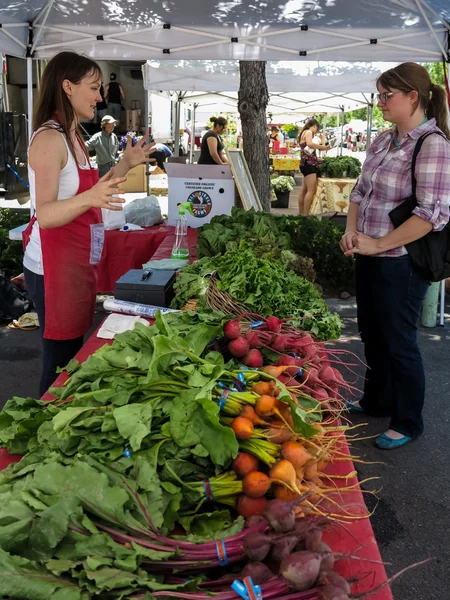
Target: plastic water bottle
<point x="180" y="249"/>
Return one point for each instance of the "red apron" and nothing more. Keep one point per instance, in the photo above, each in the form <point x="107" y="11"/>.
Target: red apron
<point x="70" y="254"/>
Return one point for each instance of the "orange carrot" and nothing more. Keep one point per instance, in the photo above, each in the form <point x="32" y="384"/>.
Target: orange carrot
<point x="278" y="435"/>
<point x="247" y="507"/>
<point x="265" y="406"/>
<point x="263" y="387"/>
<point x="296" y="454"/>
<point x="248" y="412"/>
<point x="311" y="470"/>
<point x="256" y="484"/>
<point x="284" y="473"/>
<point x="274" y="371"/>
<point x="283" y="493"/>
<point x="242" y="427"/>
<point x="245" y="463"/>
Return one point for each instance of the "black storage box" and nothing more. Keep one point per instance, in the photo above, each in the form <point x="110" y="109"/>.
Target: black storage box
<point x="156" y="289"/>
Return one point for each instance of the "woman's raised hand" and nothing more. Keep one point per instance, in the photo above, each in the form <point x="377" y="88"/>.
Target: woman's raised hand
<point x="104" y="193"/>
<point x="138" y="154"/>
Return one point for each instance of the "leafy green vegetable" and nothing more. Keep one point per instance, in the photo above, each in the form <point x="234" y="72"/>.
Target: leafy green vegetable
<point x="265" y="287"/>
<point x="195" y="421"/>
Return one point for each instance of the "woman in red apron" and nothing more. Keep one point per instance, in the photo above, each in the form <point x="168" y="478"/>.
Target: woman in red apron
<point x="64" y="240"/>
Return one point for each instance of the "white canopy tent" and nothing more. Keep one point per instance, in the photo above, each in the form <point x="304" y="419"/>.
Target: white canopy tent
<point x="228" y="29"/>
<point x="282" y="76"/>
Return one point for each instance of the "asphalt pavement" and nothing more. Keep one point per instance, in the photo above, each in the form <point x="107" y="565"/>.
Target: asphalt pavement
<point x="412" y="513"/>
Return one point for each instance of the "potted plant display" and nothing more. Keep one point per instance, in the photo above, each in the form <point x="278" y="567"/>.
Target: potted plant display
<point x="282" y="186"/>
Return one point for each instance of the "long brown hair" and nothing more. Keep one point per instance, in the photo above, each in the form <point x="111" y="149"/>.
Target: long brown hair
<point x="220" y="121"/>
<point x="53" y="101"/>
<point x="409" y="77"/>
<point x="310" y="123"/>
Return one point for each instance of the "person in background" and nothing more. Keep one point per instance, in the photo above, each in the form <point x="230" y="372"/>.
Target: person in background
<point x="212" y="148"/>
<point x="309" y="162"/>
<point x="114" y="97"/>
<point x="389" y="291"/>
<point x="160" y="154"/>
<point x="101" y="106"/>
<point x="106" y="145"/>
<point x="276" y="135"/>
<point x="64" y="239"/>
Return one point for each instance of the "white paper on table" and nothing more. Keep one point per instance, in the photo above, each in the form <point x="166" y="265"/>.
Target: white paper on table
<point x="117" y="323"/>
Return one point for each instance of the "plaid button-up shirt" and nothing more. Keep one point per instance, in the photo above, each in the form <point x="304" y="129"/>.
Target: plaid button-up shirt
<point x="385" y="182"/>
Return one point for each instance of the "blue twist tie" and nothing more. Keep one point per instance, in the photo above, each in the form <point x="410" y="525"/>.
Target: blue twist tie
<point x="257" y="324"/>
<point x="127" y="453"/>
<point x="208" y="489"/>
<point x="223" y="398"/>
<point x="247" y="589"/>
<point x="293" y="354"/>
<point x="300" y="372"/>
<point x="221" y="553"/>
<point x="239" y="384"/>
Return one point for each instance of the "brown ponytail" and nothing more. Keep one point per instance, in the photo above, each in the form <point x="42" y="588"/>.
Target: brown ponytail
<point x="437" y="108"/>
<point x="431" y="97"/>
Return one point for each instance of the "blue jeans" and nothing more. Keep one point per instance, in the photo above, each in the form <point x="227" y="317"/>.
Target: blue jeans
<point x="55" y="353"/>
<point x="106" y="168"/>
<point x="389" y="295"/>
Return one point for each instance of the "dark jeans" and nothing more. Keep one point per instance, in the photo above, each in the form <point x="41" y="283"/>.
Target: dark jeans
<point x="389" y="295"/>
<point x="106" y="168"/>
<point x="55" y="353"/>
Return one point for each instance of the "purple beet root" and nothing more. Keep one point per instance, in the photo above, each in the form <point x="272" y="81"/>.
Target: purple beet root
<point x="301" y="570"/>
<point x="256" y="546"/>
<point x="258" y="571"/>
<point x="283" y="547"/>
<point x="280" y="515"/>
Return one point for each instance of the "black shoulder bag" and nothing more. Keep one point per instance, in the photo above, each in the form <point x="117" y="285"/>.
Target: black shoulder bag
<point x="430" y="254"/>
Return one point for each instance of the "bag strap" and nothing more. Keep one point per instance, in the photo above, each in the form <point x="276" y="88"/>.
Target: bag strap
<point x="417" y="148"/>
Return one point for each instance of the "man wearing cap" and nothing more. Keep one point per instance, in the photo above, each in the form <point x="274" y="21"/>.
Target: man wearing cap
<point x="106" y="145"/>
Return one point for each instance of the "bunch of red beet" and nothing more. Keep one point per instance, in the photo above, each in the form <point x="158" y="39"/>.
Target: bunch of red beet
<point x="309" y="361"/>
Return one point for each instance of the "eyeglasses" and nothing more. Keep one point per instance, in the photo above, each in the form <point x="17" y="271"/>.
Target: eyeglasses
<point x="383" y="97"/>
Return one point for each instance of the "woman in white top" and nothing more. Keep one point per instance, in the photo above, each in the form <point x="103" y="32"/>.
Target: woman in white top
<point x="64" y="239"/>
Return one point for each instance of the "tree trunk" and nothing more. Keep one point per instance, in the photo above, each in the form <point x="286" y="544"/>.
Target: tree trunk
<point x="252" y="103"/>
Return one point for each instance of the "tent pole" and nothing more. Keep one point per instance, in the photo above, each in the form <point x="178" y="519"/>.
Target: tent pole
<point x="191" y="157"/>
<point x="342" y="130"/>
<point x="370" y="121"/>
<point x="176" y="145"/>
<point x="146" y="136"/>
<point x="30" y="96"/>
<point x="5" y="106"/>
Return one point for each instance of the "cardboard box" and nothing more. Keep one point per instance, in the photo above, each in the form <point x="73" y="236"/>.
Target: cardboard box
<point x="135" y="180"/>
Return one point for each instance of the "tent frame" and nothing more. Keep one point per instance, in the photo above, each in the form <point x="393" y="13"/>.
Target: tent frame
<point x="259" y="40"/>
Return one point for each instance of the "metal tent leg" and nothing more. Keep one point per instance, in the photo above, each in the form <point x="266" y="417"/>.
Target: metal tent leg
<point x="442" y="304"/>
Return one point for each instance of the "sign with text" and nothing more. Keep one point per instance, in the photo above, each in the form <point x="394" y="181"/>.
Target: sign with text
<point x="208" y="188"/>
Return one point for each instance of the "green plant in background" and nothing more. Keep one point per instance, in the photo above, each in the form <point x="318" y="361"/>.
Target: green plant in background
<point x="283" y="183"/>
<point x="11" y="252"/>
<point x="319" y="240"/>
<point x="336" y="167"/>
<point x="291" y="130"/>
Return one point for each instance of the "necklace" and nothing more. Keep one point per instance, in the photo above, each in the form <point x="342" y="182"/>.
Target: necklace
<point x="395" y="140"/>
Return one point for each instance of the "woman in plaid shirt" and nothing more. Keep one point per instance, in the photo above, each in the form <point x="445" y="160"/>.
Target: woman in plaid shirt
<point x="389" y="291"/>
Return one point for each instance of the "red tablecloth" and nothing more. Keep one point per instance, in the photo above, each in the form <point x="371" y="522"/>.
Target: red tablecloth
<point x="125" y="250"/>
<point x="359" y="535"/>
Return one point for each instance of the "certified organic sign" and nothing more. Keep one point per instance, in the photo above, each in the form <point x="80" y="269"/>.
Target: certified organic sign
<point x="201" y="203"/>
